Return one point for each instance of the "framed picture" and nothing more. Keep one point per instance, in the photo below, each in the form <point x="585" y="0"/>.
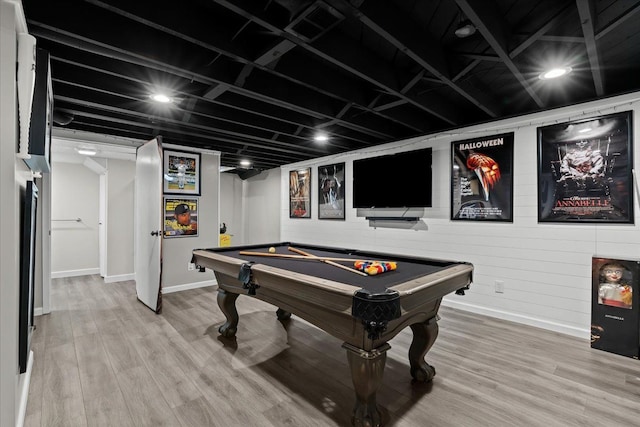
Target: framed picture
<point x="482" y="179"/>
<point x="180" y="217"/>
<point x="181" y="172"/>
<point x="331" y="191"/>
<point x="300" y="193"/>
<point x="585" y="170"/>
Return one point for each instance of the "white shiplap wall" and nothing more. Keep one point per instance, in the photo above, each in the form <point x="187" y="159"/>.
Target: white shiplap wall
<point x="546" y="268"/>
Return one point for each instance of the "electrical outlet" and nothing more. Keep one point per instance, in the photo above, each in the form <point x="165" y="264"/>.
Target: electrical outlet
<point x="499" y="285"/>
<point x="191" y="266"/>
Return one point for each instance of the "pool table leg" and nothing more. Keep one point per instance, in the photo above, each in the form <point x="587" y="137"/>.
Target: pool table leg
<point x="227" y="303"/>
<point x="366" y="373"/>
<point x="283" y="314"/>
<point x="424" y="335"/>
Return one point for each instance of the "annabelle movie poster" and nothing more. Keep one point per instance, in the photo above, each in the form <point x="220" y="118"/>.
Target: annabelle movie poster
<point x="584" y="170"/>
<point x="482" y="179"/>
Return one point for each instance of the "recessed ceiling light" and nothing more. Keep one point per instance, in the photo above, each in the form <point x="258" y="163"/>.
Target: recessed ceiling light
<point x="554" y="73"/>
<point x="86" y="151"/>
<point x="465" y="29"/>
<point x="160" y="97"/>
<point x="321" y="137"/>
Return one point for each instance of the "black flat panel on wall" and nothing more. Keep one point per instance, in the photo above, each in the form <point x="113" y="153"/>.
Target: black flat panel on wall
<point x="41" y="116"/>
<point x="27" y="267"/>
<point x="401" y="180"/>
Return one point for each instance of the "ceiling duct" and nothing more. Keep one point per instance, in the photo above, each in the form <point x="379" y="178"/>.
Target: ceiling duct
<point x="248" y="173"/>
<point x="62" y="118"/>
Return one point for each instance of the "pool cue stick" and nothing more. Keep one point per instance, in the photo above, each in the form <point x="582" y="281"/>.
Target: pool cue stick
<point x="326" y="261"/>
<point x="306" y="258"/>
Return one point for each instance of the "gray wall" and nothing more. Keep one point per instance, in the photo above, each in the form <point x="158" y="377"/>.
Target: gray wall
<point x="176" y="252"/>
<point x="75" y="192"/>
<point x="231" y="196"/>
<point x="261" y="210"/>
<point x="120" y="218"/>
<point x="251" y="208"/>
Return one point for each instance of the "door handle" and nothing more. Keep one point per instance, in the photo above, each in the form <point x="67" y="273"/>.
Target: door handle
<point x="156" y="233"/>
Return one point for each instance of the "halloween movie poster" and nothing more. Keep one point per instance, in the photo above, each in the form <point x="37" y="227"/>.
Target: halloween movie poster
<point x="482" y="179"/>
<point x="585" y="172"/>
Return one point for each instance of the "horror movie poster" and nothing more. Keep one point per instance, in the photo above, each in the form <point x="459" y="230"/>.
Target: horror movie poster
<point x="482" y="179"/>
<point x="585" y="170"/>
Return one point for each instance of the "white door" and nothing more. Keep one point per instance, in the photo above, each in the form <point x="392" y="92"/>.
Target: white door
<point x="148" y="223"/>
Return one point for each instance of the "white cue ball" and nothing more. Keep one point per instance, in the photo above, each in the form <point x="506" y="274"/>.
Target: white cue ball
<point x="272" y="250"/>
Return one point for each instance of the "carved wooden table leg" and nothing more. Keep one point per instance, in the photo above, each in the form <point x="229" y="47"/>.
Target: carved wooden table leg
<point x="424" y="335"/>
<point x="367" y="368"/>
<point x="227" y="303"/>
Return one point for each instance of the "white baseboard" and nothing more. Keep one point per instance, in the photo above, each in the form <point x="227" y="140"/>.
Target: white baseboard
<point x="178" y="288"/>
<point x="23" y="391"/>
<point x="74" y="273"/>
<point x="37" y="311"/>
<point x="119" y="278"/>
<point x="518" y="318"/>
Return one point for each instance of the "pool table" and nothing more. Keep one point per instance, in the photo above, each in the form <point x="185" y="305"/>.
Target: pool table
<point x="363" y="311"/>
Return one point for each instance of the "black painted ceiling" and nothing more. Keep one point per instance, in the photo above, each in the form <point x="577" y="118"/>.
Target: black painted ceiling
<point x="256" y="79"/>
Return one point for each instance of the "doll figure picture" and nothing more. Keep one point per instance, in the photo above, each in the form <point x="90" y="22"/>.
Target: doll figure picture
<point x="614" y="290"/>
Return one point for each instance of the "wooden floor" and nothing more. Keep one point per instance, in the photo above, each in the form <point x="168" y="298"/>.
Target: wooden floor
<point x="103" y="359"/>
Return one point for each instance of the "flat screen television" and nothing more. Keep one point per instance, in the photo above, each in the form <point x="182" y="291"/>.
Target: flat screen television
<point x="401" y="180"/>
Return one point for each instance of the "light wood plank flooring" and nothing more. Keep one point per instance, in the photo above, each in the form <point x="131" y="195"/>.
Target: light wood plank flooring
<point x="104" y="359"/>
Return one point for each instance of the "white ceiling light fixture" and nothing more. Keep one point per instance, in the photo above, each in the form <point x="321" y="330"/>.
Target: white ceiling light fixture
<point x="554" y="73"/>
<point x="321" y="137"/>
<point x="465" y="29"/>
<point x="86" y="151"/>
<point x="161" y="98"/>
<point x="245" y="163"/>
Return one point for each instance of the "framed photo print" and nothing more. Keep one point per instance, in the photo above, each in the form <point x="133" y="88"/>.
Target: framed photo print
<point x="181" y="172"/>
<point x="300" y="193"/>
<point x="180" y="217"/>
<point x="331" y="191"/>
<point x="482" y="179"/>
<point x="585" y="170"/>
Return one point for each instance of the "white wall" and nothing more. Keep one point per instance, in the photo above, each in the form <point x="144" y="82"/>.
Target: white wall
<point x="13" y="177"/>
<point x="546" y="268"/>
<point x="75" y="192"/>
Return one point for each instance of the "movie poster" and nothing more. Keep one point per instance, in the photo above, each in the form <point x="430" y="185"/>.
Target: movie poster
<point x="331" y="191"/>
<point x="585" y="170"/>
<point x="482" y="179"/>
<point x="300" y="193"/>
